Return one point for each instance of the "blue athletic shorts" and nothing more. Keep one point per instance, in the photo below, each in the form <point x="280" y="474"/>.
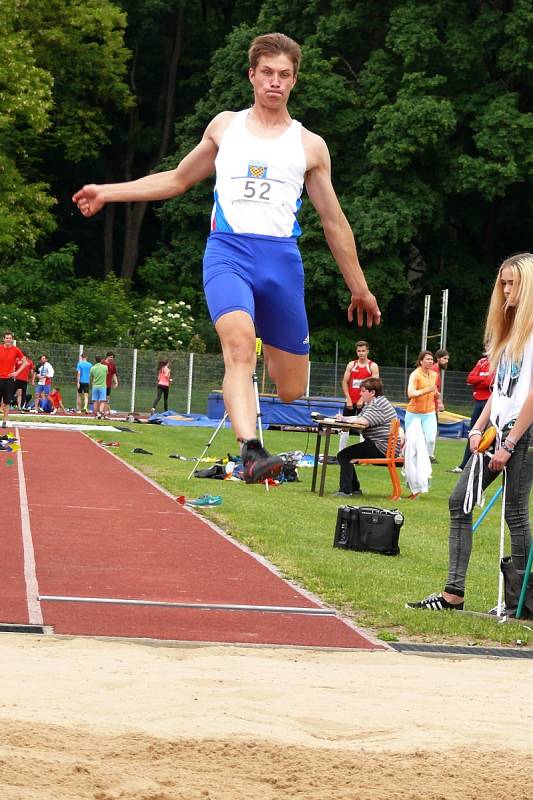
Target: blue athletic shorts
<point x="263" y="276"/>
<point x="99" y="394"/>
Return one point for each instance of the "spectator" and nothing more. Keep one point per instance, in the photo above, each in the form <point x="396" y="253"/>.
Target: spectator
<point x="45" y="373"/>
<point x="21" y="383"/>
<point x="111" y="381"/>
<point x="423" y="395"/>
<point x="98" y="380"/>
<point x="57" y="401"/>
<point x="509" y="409"/>
<point x="441" y="360"/>
<point x="163" y="384"/>
<point x="83" y="371"/>
<point x="375" y="416"/>
<point x="10" y="355"/>
<point x="355" y="373"/>
<point x="481" y="379"/>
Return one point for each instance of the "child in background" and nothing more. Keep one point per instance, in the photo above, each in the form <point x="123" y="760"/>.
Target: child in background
<point x="57" y="401"/>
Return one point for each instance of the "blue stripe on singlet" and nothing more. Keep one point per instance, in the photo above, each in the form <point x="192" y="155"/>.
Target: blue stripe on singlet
<point x="296" y="230"/>
<point x="220" y="223"/>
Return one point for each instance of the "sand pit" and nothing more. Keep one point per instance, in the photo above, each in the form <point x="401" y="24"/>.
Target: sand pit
<point x="110" y="720"/>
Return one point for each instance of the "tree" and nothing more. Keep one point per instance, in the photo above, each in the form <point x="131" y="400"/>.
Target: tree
<point x="94" y="312"/>
<point x="62" y="64"/>
<point x="25" y="101"/>
<point x="171" y="42"/>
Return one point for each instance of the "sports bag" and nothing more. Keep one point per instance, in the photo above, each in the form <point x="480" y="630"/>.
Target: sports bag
<point x="512" y="582"/>
<point x="217" y="471"/>
<point x="368" y="529"/>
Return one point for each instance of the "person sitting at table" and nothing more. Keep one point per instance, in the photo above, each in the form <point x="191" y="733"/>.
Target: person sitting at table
<point x="374" y="419"/>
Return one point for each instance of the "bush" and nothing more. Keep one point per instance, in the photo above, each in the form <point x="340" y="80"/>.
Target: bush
<point x="22" y="322"/>
<point x="164" y="326"/>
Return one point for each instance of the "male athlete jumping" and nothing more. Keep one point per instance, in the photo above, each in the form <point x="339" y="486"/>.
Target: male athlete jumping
<point x="253" y="272"/>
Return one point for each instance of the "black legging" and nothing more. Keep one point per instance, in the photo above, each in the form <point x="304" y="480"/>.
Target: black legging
<point x="161" y="390"/>
<point x="518" y="486"/>
<point x="349" y="481"/>
<point x="23" y="386"/>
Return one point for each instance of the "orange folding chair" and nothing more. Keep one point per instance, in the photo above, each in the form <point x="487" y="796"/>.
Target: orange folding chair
<point x="390" y="460"/>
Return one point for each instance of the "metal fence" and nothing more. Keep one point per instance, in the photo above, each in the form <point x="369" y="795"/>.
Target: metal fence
<point x="195" y="376"/>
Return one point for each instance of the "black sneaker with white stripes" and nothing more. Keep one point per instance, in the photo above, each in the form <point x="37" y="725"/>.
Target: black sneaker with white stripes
<point x="436" y="602"/>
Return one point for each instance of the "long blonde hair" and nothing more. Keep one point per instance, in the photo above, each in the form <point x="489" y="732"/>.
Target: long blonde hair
<point x="510" y="323"/>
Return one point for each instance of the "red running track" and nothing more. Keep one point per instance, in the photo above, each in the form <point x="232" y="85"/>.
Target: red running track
<point x="101" y="530"/>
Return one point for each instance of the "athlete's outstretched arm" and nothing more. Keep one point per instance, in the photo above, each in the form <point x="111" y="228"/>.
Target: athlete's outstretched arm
<point x="197" y="165"/>
<point x="339" y="235"/>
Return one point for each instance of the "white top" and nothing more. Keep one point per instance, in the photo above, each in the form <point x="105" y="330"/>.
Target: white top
<point x="45" y="371"/>
<point x="511" y="387"/>
<point x="259" y="181"/>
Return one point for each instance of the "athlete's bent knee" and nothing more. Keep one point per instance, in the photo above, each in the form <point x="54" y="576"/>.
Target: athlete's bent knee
<point x="288" y="394"/>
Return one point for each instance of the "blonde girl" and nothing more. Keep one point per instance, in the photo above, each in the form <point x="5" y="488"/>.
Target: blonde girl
<point x="509" y="345"/>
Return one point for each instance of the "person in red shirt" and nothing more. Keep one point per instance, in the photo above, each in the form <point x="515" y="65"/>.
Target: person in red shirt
<point x="21" y="383"/>
<point x="112" y="382"/>
<point x="481" y="379"/>
<point x="10" y="355"/>
<point x="57" y="401"/>
<point x="355" y="373"/>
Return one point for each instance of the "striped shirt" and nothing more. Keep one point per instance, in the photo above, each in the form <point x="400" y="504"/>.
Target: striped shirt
<point x="379" y="413"/>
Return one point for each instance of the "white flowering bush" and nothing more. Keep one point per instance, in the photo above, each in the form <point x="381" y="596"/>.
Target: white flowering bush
<point x="22" y="322"/>
<point x="164" y="325"/>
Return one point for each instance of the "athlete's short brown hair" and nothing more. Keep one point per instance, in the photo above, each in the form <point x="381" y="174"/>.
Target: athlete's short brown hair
<point x="275" y="44"/>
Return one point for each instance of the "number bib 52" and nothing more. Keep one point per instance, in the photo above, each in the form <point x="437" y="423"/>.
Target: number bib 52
<point x="259" y="190"/>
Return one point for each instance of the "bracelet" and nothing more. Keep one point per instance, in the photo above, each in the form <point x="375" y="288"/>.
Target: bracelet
<point x="474" y="432"/>
<point x="509" y="450"/>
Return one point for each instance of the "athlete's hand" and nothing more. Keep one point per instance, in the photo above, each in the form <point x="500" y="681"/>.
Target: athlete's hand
<point x="89" y="200"/>
<point x="499" y="460"/>
<point x="364" y="301"/>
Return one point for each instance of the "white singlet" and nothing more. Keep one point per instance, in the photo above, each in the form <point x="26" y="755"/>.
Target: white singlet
<point x="259" y="181"/>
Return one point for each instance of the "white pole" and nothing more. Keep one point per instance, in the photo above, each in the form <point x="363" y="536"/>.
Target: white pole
<point x="308" y="380"/>
<point x="336" y="389"/>
<point x="443" y="335"/>
<point x="425" y="324"/>
<point x="444" y="320"/>
<point x="80" y="353"/>
<point x="189" y="382"/>
<point x="133" y="380"/>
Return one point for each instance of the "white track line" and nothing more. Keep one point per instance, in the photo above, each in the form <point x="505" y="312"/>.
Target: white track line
<point x="35" y="614"/>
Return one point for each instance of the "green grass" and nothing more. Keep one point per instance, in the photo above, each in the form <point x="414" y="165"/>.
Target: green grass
<point x="294" y="529"/>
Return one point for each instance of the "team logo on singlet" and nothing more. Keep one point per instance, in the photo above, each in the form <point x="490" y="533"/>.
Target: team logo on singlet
<point x="257" y="170"/>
